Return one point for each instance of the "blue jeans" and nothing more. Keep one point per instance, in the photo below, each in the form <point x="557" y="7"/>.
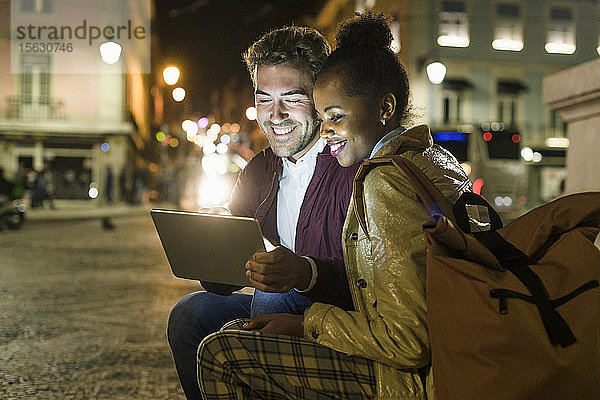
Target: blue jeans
<point x="199" y="314"/>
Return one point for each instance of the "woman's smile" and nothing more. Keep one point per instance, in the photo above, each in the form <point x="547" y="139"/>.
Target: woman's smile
<point x="336" y="146"/>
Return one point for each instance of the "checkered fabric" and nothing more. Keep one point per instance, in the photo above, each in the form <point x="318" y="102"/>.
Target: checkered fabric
<point x="236" y="324"/>
<point x="236" y="364"/>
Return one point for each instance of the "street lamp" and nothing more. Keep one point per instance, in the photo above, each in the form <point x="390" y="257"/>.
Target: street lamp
<point x="171" y="75"/>
<point x="110" y="52"/>
<point x="436" y="71"/>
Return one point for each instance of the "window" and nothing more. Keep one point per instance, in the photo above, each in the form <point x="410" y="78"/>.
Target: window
<point x="35" y="78"/>
<point x="557" y="126"/>
<point x="451" y="106"/>
<point x="508" y="32"/>
<point x="560" y="37"/>
<point x="454" y="25"/>
<point x="33" y="100"/>
<point x="37" y="6"/>
<point x="507" y="109"/>
<point x="509" y="100"/>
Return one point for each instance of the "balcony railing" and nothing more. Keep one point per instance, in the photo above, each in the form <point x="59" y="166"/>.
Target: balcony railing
<point x="29" y="108"/>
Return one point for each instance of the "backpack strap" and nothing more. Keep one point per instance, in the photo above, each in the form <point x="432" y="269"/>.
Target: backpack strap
<point x="517" y="262"/>
<point x="474" y="214"/>
<point x="434" y="202"/>
<point x="508" y="255"/>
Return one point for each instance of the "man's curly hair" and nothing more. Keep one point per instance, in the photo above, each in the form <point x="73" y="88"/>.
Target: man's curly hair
<point x="302" y="46"/>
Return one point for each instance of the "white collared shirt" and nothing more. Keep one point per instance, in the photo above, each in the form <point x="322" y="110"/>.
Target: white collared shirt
<point x="293" y="183"/>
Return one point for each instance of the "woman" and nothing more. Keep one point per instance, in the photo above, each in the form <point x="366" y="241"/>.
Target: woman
<point x="381" y="349"/>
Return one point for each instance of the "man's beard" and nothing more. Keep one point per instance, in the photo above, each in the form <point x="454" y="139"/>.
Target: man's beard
<point x="303" y="135"/>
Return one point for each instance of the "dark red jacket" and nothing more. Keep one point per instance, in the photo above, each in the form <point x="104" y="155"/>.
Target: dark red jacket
<point x="321" y="219"/>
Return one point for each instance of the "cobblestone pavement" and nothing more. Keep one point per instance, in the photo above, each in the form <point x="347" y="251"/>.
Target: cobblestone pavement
<point x="83" y="312"/>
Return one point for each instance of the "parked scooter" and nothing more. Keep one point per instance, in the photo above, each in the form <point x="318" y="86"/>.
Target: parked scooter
<point x="12" y="213"/>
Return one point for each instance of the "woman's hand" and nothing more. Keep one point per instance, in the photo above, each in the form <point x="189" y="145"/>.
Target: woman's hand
<point x="280" y="324"/>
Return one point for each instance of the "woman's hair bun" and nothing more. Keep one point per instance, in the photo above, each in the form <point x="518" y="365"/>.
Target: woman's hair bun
<point x="364" y="31"/>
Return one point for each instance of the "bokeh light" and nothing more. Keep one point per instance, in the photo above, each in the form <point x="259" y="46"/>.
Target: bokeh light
<point x="178" y="94"/>
<point x="202" y="122"/>
<point x="199" y="140"/>
<point x="225" y="139"/>
<point x="209" y="148"/>
<point x="190" y="127"/>
<point x="222" y="148"/>
<point x="213" y="191"/>
<point x="171" y="75"/>
<point x="251" y="113"/>
<point x="527" y="153"/>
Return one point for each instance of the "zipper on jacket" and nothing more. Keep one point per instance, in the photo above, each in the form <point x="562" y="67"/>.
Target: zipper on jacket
<point x="268" y="194"/>
<point x="503" y="294"/>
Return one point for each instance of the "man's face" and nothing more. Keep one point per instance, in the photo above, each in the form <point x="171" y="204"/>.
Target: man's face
<point x="285" y="108"/>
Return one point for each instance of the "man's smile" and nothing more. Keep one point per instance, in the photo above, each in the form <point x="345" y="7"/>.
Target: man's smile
<point x="282" y="130"/>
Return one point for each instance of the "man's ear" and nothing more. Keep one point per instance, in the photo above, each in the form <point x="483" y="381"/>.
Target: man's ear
<point x="387" y="108"/>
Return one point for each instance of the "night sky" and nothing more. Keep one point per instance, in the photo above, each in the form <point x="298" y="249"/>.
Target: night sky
<point x="206" y="37"/>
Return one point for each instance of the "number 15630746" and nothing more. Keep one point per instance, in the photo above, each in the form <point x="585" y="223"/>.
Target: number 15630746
<point x="50" y="47"/>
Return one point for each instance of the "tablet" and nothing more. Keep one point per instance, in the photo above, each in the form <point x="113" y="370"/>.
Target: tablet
<point x="212" y="248"/>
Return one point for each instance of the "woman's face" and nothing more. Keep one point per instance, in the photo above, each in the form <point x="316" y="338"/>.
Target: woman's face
<point x="350" y="123"/>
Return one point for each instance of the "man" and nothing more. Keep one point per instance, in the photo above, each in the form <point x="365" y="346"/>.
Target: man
<point x="296" y="190"/>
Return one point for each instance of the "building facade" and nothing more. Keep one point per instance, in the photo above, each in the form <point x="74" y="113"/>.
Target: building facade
<point x="78" y="126"/>
<point x="488" y="108"/>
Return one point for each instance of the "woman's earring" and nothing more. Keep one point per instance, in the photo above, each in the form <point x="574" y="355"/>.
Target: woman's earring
<point x="382" y="121"/>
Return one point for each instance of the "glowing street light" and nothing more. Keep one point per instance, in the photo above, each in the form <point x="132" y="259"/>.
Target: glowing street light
<point x="178" y="94"/>
<point x="110" y="52"/>
<point x="251" y="113"/>
<point x="171" y="75"/>
<point x="436" y="72"/>
<point x="190" y="127"/>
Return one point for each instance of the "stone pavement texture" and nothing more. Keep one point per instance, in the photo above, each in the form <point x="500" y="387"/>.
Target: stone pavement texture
<point x="81" y="209"/>
<point x="83" y="311"/>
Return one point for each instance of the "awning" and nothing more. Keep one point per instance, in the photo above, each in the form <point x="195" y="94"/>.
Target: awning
<point x="511" y="87"/>
<point x="457" y="84"/>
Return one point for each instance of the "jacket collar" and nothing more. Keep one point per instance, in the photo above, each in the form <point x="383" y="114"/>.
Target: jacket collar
<point x="414" y="138"/>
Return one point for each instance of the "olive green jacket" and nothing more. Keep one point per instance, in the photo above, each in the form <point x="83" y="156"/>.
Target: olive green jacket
<point x="386" y="270"/>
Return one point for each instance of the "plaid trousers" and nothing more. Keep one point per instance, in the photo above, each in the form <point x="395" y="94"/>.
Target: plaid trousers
<point x="237" y="364"/>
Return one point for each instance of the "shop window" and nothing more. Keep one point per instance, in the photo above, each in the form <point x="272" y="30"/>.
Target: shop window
<point x="560" y="38"/>
<point x="508" y="30"/>
<point x="454" y="25"/>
